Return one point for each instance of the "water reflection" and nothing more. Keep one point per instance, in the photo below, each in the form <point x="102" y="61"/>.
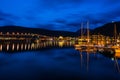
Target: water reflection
<point x="33" y="46"/>
<point x="13" y="47"/>
<point x="17" y="46"/>
<point x="86" y="58"/>
<point x="117" y="65"/>
<point x="81" y="59"/>
<point x="21" y="46"/>
<point x="61" y="43"/>
<point x="54" y="64"/>
<point x="88" y="53"/>
<point x="115" y="58"/>
<point x="25" y="46"/>
<point x="7" y="47"/>
<point x="0" y="47"/>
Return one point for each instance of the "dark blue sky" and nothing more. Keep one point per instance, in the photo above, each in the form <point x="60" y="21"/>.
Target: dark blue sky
<point x="58" y="14"/>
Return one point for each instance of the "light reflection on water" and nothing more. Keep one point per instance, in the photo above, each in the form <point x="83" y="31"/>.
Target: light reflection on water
<point x="53" y="61"/>
<point x="32" y="46"/>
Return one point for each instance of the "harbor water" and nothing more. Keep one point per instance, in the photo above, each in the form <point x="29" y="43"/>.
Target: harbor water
<point x="54" y="61"/>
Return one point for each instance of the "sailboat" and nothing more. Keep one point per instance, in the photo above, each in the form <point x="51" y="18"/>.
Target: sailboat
<point x="79" y="41"/>
<point x="116" y="47"/>
<point x="84" y="42"/>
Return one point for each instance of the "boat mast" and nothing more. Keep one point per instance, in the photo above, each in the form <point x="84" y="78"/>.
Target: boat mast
<point x="115" y="33"/>
<point x="88" y="32"/>
<point x="81" y="30"/>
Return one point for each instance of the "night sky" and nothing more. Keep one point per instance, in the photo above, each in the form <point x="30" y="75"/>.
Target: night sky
<point x="58" y="14"/>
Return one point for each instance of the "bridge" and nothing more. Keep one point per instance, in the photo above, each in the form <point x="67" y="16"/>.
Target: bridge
<point x="21" y="37"/>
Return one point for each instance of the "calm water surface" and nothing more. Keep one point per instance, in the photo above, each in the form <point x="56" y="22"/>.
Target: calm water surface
<point x="56" y="62"/>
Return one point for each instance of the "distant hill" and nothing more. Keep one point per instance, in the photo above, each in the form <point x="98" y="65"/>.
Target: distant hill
<point x="20" y="29"/>
<point x="107" y="29"/>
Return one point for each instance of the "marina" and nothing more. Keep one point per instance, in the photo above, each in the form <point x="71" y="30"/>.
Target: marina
<point x="34" y="56"/>
<point x="59" y="40"/>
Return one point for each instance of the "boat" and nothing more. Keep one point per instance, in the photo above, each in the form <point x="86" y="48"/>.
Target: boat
<point x="114" y="48"/>
<point x="83" y="43"/>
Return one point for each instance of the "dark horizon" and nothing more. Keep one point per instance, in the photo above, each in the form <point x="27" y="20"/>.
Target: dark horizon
<point x="12" y="26"/>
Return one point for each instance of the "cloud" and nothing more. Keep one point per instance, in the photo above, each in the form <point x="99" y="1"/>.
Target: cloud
<point x="7" y="19"/>
<point x="59" y="14"/>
